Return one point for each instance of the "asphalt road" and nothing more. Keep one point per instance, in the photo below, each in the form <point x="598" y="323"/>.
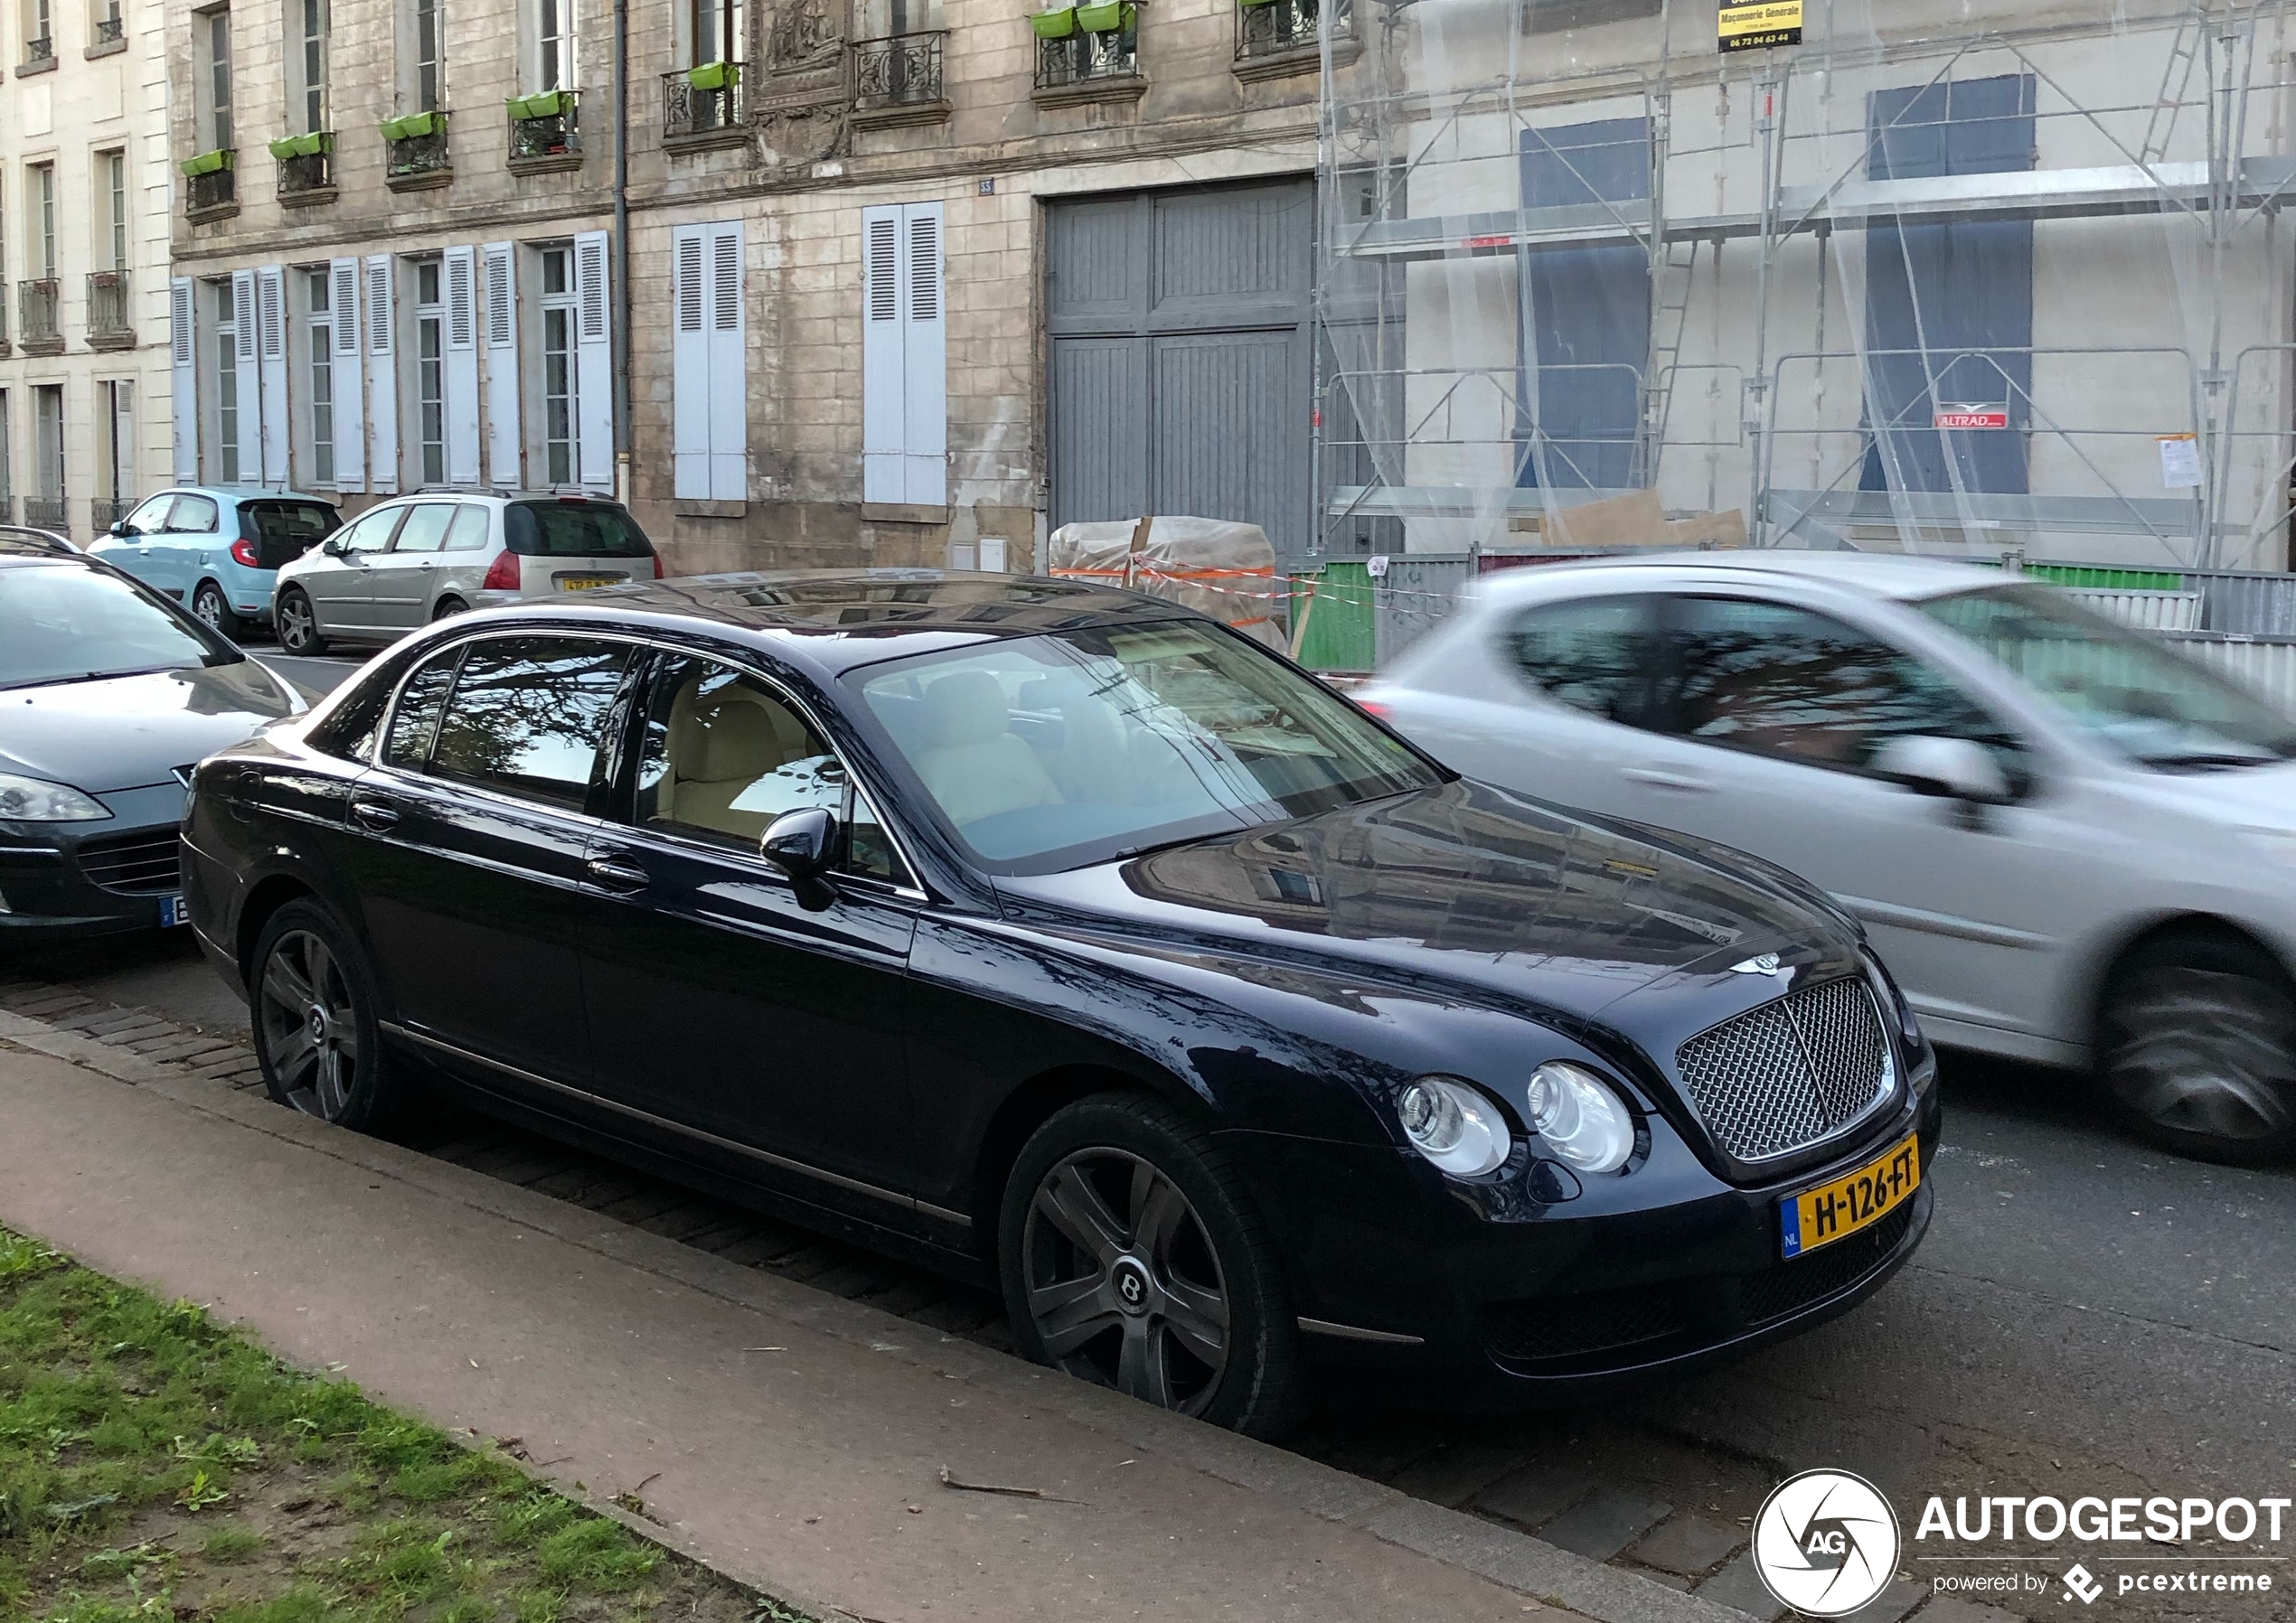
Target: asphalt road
<point x="2087" y="1316"/>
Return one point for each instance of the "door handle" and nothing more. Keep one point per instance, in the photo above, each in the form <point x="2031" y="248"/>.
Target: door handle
<point x="374" y="815"/>
<point x="619" y="874"/>
<point x="1656" y="779"/>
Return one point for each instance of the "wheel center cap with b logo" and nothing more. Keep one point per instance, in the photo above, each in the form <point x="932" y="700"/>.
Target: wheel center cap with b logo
<point x="1131" y="1280"/>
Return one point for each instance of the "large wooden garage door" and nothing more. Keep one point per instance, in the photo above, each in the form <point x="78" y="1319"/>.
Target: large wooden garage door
<point x="1180" y="356"/>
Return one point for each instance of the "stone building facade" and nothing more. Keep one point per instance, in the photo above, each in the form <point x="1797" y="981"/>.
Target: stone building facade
<point x="907" y="282"/>
<point x="84" y="189"/>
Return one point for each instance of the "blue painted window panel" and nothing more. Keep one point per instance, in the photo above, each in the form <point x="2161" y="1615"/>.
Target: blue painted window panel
<point x="1958" y="296"/>
<point x="1586" y="312"/>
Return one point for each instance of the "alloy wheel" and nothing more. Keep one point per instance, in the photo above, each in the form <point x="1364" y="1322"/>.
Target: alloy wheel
<point x="1122" y="1281"/>
<point x="295" y="623"/>
<point x="309" y="1024"/>
<point x="2208" y="1053"/>
<point x="207" y="606"/>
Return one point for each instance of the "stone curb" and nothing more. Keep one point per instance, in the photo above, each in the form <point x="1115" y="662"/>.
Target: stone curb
<point x="1515" y="1559"/>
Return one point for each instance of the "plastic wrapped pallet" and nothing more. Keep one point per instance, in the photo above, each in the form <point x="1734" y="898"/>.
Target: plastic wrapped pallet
<point x="1225" y="569"/>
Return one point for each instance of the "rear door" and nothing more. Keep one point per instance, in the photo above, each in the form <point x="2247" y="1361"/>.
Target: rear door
<point x="401" y="580"/>
<point x="474" y="834"/>
<point x="134" y="550"/>
<point x="194" y="535"/>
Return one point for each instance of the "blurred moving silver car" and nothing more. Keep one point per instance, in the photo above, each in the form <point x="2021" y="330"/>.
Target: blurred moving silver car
<point x="2069" y="842"/>
<point x="412" y="560"/>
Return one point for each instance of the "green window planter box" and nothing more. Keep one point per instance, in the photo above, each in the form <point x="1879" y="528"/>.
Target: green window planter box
<point x="413" y="127"/>
<point x="549" y="104"/>
<point x="209" y="163"/>
<point x="1055" y="25"/>
<point x="1248" y="4"/>
<point x="1114" y="17"/>
<point x="714" y="76"/>
<point x="309" y="145"/>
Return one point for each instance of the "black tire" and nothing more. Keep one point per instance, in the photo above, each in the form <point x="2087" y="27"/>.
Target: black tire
<point x="447" y="608"/>
<point x="2196" y="1048"/>
<point x="297" y="623"/>
<point x="313" y="1004"/>
<point x="214" y="610"/>
<point x="1142" y="1312"/>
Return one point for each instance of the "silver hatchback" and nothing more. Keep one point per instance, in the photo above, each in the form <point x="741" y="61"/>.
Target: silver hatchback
<point x="406" y="562"/>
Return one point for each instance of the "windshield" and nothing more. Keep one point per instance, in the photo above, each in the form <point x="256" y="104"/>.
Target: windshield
<point x="69" y="623"/>
<point x="2132" y="691"/>
<point x="573" y="530"/>
<point x="1052" y="752"/>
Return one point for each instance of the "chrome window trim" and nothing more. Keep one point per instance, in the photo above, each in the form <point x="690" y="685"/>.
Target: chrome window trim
<point x="781" y="1161"/>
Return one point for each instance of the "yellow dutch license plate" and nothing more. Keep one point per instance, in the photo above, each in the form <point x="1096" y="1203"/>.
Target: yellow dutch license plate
<point x="583" y="583"/>
<point x="1828" y="1213"/>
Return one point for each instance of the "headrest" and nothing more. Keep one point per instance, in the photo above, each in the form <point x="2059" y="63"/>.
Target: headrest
<point x="966" y="706"/>
<point x="732" y="740"/>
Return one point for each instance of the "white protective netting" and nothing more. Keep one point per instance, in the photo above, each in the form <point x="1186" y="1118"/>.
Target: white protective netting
<point x="1957" y="276"/>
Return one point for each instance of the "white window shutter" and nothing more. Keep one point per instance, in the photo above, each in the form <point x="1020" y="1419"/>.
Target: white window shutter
<point x="690" y="362"/>
<point x="594" y="359"/>
<point x="347" y="377"/>
<point x="182" y="349"/>
<point x="271" y="346"/>
<point x="884" y="416"/>
<point x="461" y="266"/>
<point x="501" y="365"/>
<point x="382" y="378"/>
<point x="924" y="359"/>
<point x="729" y="381"/>
<point x="250" y="369"/>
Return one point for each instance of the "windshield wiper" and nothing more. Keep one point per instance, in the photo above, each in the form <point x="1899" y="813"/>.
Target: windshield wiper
<point x="83" y="676"/>
<point x="2205" y="758"/>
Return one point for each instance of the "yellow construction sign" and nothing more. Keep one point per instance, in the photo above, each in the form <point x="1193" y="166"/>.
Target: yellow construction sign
<point x="1754" y="27"/>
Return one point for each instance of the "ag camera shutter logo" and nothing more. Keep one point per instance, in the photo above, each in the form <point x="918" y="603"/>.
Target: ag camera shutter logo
<point x="1825" y="1543"/>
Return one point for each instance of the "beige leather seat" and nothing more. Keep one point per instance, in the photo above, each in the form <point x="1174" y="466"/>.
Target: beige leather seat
<point x="974" y="765"/>
<point x="718" y="746"/>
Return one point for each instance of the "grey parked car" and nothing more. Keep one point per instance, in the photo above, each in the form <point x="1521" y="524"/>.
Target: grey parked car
<point x="2070" y="842"/>
<point x="413" y="559"/>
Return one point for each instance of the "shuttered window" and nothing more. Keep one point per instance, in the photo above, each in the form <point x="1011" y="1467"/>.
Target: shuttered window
<point x="904" y="357"/>
<point x="500" y="259"/>
<point x="710" y="410"/>
<point x="461" y="267"/>
<point x="184" y="379"/>
<point x="593" y="360"/>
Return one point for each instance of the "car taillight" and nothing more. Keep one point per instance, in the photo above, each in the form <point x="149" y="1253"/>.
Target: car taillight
<point x="1376" y="706"/>
<point x="243" y="552"/>
<point x="502" y="575"/>
<point x="658" y="571"/>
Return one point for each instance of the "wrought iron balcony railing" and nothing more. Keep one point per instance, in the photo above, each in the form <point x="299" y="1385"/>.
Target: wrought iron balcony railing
<point x="108" y="29"/>
<point x="212" y="190"/>
<point x="305" y="171"/>
<point x="109" y="312"/>
<point x="1088" y="54"/>
<point x="46" y="513"/>
<point x="556" y="134"/>
<point x="40" y="50"/>
<point x="691" y="109"/>
<point x="419" y="154"/>
<point x="1279" y="27"/>
<point x="43" y="300"/>
<point x="104" y="512"/>
<point x="901" y="71"/>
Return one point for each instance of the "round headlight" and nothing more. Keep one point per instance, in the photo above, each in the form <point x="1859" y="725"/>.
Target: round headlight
<point x="1453" y="1126"/>
<point x="1584" y="1122"/>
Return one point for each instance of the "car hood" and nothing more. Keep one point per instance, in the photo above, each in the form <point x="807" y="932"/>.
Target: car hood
<point x="2244" y="797"/>
<point x="126" y="732"/>
<point x="1466" y="887"/>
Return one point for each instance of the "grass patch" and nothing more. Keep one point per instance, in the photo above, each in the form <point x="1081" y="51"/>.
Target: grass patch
<point x="156" y="1468"/>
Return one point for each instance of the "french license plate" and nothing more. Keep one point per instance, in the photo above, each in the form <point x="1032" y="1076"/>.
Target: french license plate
<point x="583" y="583"/>
<point x="1828" y="1213"/>
<point x="171" y="912"/>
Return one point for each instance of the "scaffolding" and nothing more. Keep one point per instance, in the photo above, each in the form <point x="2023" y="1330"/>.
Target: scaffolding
<point x="1970" y="279"/>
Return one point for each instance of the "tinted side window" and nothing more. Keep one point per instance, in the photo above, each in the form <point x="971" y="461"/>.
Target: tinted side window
<point x="1785" y="682"/>
<point x="1598" y="654"/>
<point x="870" y="850"/>
<point x="528" y="717"/>
<point x="415" y="722"/>
<point x="722" y="756"/>
<point x="468" y="531"/>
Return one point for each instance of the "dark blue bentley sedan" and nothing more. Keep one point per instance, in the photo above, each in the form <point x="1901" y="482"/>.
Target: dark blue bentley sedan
<point x="1062" y="937"/>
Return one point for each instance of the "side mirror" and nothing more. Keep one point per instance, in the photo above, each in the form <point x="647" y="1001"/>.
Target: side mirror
<point x="331" y="547"/>
<point x="119" y="527"/>
<point x="1958" y="769"/>
<point x="802" y="844"/>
